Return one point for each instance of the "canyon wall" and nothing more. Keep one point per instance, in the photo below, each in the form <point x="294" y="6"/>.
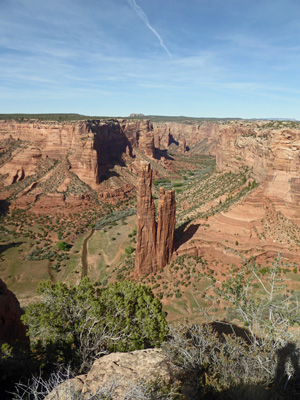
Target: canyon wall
<point x="62" y="165"/>
<point x="185" y="135"/>
<point x="155" y="240"/>
<point x="273" y="155"/>
<point x="266" y="221"/>
<point x="239" y="145"/>
<point x="90" y="147"/>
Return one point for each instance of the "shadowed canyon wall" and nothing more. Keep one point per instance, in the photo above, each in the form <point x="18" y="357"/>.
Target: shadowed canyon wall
<point x="11" y="327"/>
<point x="90" y="147"/>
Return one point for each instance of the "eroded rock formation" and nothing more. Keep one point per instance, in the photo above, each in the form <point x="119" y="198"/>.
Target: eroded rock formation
<point x="274" y="158"/>
<point x="265" y="222"/>
<point x="42" y="159"/>
<point x="165" y="227"/>
<point x="91" y="147"/>
<point x="11" y="327"/>
<point x="120" y="372"/>
<point x="95" y="158"/>
<point x="186" y="135"/>
<point x="155" y="240"/>
<point x="145" y="260"/>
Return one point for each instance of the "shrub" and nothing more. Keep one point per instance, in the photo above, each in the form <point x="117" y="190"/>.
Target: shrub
<point x="161" y="181"/>
<point x="129" y="250"/>
<point x="74" y="325"/>
<point x="217" y="362"/>
<point x="63" y="246"/>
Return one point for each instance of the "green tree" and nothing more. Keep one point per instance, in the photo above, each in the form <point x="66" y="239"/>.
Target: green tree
<point x="138" y="313"/>
<point x="63" y="246"/>
<point x="77" y="324"/>
<point x="129" y="250"/>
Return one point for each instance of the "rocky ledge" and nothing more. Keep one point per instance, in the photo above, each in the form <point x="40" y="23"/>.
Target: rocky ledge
<point x="119" y="375"/>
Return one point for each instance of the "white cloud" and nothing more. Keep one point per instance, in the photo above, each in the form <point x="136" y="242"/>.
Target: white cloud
<point x="145" y="19"/>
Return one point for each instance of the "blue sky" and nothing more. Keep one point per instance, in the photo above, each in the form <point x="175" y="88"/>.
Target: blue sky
<point x="201" y="58"/>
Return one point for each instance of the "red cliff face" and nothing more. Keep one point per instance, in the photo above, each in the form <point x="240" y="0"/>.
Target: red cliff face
<point x="185" y="135"/>
<point x="165" y="227"/>
<point x="145" y="260"/>
<point x="11" y="327"/>
<point x="47" y="158"/>
<point x="90" y="147"/>
<point x="266" y="221"/>
<point x="41" y="140"/>
<point x="140" y="135"/>
<point x="155" y="240"/>
<point x="274" y="157"/>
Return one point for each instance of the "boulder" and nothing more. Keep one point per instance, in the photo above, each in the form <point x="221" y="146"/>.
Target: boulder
<point x="118" y="374"/>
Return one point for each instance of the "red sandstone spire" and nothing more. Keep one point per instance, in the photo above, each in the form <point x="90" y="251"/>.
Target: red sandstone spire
<point x="155" y="240"/>
<point x="165" y="227"/>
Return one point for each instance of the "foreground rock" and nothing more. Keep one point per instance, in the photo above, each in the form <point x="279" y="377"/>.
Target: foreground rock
<point x="155" y="240"/>
<point x="117" y="374"/>
<point x="11" y="327"/>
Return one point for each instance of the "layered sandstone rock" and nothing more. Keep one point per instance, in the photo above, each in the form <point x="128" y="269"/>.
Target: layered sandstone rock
<point x="140" y="135"/>
<point x="274" y="158"/>
<point x="91" y="147"/>
<point x="186" y="135"/>
<point x="43" y="161"/>
<point x="96" y="151"/>
<point x="11" y="327"/>
<point x="119" y="375"/>
<point x="266" y="221"/>
<point x="145" y="260"/>
<point x="155" y="240"/>
<point x="165" y="227"/>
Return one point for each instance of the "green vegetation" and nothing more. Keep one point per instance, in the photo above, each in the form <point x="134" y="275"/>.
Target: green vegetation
<point x="178" y="184"/>
<point x="181" y="119"/>
<point x="280" y="124"/>
<point x="162" y="181"/>
<point x="113" y="217"/>
<point x="129" y="250"/>
<point x="222" y="359"/>
<point x="207" y="185"/>
<point x="63" y="246"/>
<point x="74" y="325"/>
<point x="216" y="359"/>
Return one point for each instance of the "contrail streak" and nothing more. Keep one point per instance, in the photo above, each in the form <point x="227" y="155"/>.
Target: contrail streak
<point x="144" y="18"/>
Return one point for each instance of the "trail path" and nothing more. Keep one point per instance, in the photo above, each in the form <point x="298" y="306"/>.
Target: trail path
<point x="84" y="255"/>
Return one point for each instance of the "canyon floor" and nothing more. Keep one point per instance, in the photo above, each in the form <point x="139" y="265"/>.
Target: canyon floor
<point x="56" y="225"/>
